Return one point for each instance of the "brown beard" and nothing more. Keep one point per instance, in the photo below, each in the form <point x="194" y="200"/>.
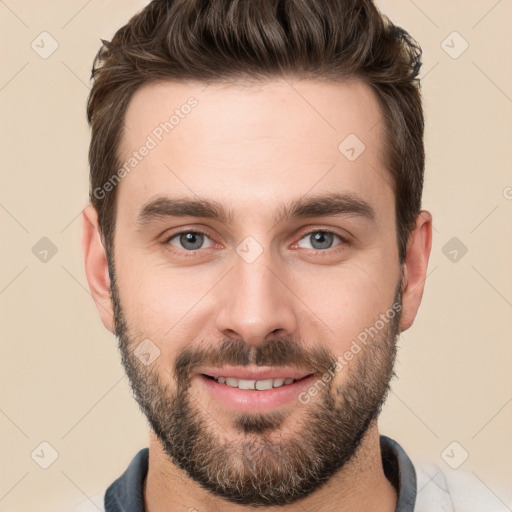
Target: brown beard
<point x="262" y="467"/>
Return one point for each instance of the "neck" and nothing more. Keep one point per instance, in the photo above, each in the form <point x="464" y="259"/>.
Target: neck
<point x="360" y="485"/>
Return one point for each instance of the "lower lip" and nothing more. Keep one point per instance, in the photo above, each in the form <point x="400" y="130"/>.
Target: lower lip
<point x="252" y="400"/>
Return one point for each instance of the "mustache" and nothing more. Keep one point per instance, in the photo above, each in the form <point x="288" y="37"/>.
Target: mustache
<point x="276" y="352"/>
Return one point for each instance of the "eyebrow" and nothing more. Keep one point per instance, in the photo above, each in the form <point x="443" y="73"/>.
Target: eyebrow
<point x="333" y="204"/>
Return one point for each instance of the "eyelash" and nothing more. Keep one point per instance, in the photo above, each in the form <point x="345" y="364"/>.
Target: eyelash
<point x="193" y="253"/>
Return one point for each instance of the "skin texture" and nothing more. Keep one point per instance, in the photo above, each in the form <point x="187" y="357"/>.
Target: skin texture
<point x="253" y="148"/>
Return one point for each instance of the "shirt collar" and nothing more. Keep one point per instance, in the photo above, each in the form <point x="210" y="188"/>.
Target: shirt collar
<point x="399" y="470"/>
<point x="126" y="494"/>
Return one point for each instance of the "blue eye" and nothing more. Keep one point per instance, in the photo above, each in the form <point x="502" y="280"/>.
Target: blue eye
<point x="321" y="240"/>
<point x="189" y="240"/>
<point x="192" y="241"/>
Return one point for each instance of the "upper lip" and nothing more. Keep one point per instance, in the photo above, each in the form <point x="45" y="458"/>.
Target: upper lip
<point x="256" y="372"/>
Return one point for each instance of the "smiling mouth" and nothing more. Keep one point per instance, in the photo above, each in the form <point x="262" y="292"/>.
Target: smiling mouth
<point x="257" y="385"/>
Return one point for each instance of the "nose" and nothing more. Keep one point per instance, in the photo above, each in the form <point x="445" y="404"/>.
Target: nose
<point x="256" y="302"/>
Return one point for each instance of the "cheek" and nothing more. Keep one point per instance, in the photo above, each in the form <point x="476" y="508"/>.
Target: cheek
<point x="159" y="301"/>
<point x="346" y="301"/>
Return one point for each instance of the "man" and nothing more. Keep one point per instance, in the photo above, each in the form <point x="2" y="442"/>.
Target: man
<point x="256" y="242"/>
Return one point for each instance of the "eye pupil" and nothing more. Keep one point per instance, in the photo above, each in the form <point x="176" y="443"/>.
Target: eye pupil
<point x="323" y="238"/>
<point x="195" y="239"/>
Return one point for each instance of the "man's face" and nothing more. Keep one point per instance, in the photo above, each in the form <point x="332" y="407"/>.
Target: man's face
<point x="259" y="295"/>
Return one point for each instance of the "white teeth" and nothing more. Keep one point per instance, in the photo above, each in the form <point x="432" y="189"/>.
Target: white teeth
<point x="232" y="382"/>
<point x="246" y="384"/>
<point x="264" y="384"/>
<point x="260" y="385"/>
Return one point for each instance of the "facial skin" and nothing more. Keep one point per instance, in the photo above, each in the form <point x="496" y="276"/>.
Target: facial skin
<point x="254" y="149"/>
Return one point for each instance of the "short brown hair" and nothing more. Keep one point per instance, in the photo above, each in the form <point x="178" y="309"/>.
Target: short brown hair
<point x="229" y="40"/>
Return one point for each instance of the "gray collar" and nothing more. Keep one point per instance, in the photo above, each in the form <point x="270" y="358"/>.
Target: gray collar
<point x="400" y="471"/>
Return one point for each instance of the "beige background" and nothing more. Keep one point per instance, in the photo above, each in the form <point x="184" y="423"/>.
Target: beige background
<point x="61" y="378"/>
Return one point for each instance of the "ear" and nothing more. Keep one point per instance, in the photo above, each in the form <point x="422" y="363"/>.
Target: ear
<point x="415" y="268"/>
<point x="96" y="267"/>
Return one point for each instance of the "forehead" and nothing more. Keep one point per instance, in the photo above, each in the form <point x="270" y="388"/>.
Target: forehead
<point x="252" y="145"/>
